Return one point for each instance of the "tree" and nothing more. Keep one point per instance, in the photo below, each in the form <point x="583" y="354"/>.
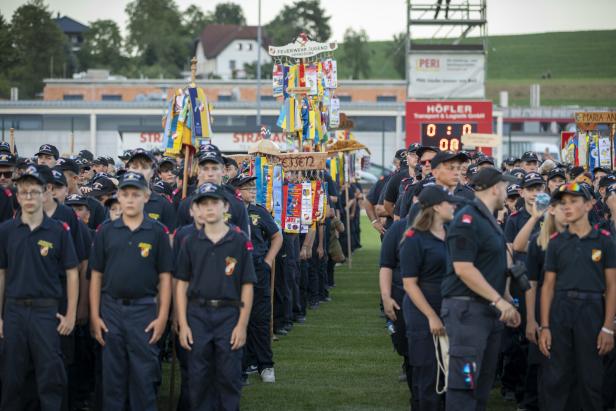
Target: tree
<point x="39" y="47"/>
<point x="302" y="16"/>
<point x="397" y="51"/>
<point x="356" y="55"/>
<point x="251" y="70"/>
<point x="102" y="46"/>
<point x="229" y="13"/>
<point x="195" y="20"/>
<point x="156" y="36"/>
<point x="6" y="56"/>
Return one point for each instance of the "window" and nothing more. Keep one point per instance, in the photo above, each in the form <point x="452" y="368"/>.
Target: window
<point x="239" y="46"/>
<point x="232" y="64"/>
<point x="111" y="97"/>
<point x="250" y="46"/>
<point x="266" y="97"/>
<point x="224" y="97"/>
<point x="386" y="99"/>
<point x="343" y="97"/>
<point x="72" y="97"/>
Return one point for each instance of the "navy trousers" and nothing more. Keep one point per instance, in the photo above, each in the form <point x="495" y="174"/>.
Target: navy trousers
<point x="214" y="370"/>
<point x="31" y="340"/>
<point x="258" y="343"/>
<point x="131" y="369"/>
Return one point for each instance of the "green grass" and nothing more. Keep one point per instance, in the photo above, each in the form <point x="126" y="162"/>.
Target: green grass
<point x="342" y="357"/>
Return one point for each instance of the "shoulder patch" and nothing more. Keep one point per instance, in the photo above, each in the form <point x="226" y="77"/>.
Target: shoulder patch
<point x="237" y="229"/>
<point x="66" y="226"/>
<point x="409" y="233"/>
<point x="8" y="192"/>
<point x="238" y="194"/>
<point x="175" y="232"/>
<point x="467" y="219"/>
<point x="382" y="178"/>
<point x="165" y="229"/>
<point x="553" y="236"/>
<point x="516" y="212"/>
<point x="249" y="246"/>
<point x="596" y="226"/>
<point x="606" y="233"/>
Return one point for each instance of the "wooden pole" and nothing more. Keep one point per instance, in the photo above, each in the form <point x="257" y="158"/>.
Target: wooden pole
<point x="348" y="224"/>
<point x="272" y="279"/>
<point x="72" y="143"/>
<point x="12" y="140"/>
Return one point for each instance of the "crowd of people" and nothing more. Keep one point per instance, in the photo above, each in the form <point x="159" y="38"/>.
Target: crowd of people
<point x="107" y="272"/>
<point x="499" y="277"/>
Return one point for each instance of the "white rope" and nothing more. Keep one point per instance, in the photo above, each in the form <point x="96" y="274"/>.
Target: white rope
<point x="441" y="344"/>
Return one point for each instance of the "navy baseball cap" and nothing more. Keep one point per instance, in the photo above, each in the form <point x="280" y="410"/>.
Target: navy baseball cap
<point x="513" y="190"/>
<point x="532" y="179"/>
<point x="68" y="164"/>
<point x="445" y="156"/>
<point x="557" y="172"/>
<point x="435" y="194"/>
<point x="86" y="155"/>
<point x="208" y="190"/>
<point x="125" y="155"/>
<point x="76" y="199"/>
<point x="102" y="161"/>
<point x="102" y="185"/>
<point x="423" y="149"/>
<point x="530" y="156"/>
<point x="7" y="159"/>
<point x="518" y="173"/>
<point x="207" y="147"/>
<point x="211" y="156"/>
<point x="50" y="150"/>
<point x="607" y="181"/>
<point x="241" y="179"/>
<point x="490" y="176"/>
<point x="413" y="147"/>
<point x="58" y="177"/>
<point x="139" y="152"/>
<point x="162" y="187"/>
<point x="33" y="172"/>
<point x="132" y="179"/>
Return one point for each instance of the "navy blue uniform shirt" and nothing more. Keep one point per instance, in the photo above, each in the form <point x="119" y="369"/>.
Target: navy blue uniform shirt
<point x="6" y="204"/>
<point x="375" y="191"/>
<point x="160" y="209"/>
<point x="390" y="251"/>
<point x="392" y="190"/>
<point x="535" y="259"/>
<point x="36" y="261"/>
<point x="98" y="213"/>
<point x="131" y="261"/>
<point x="262" y="228"/>
<point x="67" y="215"/>
<point x="424" y="256"/>
<point x="472" y="238"/>
<point x="237" y="210"/>
<point x="579" y="263"/>
<point x="180" y="235"/>
<point x="514" y="224"/>
<point x="216" y="271"/>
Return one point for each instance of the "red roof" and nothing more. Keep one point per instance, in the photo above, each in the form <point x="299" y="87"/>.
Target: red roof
<point x="216" y="37"/>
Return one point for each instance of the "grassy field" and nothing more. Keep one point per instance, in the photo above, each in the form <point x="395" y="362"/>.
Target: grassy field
<point x="582" y="66"/>
<point x="342" y="357"/>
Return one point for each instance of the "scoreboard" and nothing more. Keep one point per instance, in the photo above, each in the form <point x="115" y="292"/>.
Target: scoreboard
<point x="442" y="123"/>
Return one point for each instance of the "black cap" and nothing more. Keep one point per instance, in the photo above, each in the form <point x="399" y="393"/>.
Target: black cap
<point x="50" y="150"/>
<point x="576" y="171"/>
<point x="532" y="179"/>
<point x="210" y="190"/>
<point x="241" y="179"/>
<point x="445" y="156"/>
<point x="76" y="199"/>
<point x="5" y="147"/>
<point x="101" y="161"/>
<point x="574" y="189"/>
<point x="490" y="176"/>
<point x="413" y="147"/>
<point x="557" y="172"/>
<point x="82" y="163"/>
<point x="23" y="162"/>
<point x="7" y="159"/>
<point x="211" y="156"/>
<point x="607" y="180"/>
<point x="530" y="156"/>
<point x="139" y="152"/>
<point x="67" y="164"/>
<point x="423" y="149"/>
<point x="511" y="160"/>
<point x="471" y="171"/>
<point x="518" y="173"/>
<point x="125" y="155"/>
<point x="610" y="190"/>
<point x="33" y="172"/>
<point x="603" y="169"/>
<point x="58" y="177"/>
<point x="132" y="179"/>
<point x="206" y="148"/>
<point x="513" y="190"/>
<point x="162" y="187"/>
<point x="228" y="161"/>
<point x="484" y="160"/>
<point x="435" y="194"/>
<point x="111" y="200"/>
<point x="86" y="155"/>
<point x="102" y="185"/>
<point x="167" y="160"/>
<point x="110" y="161"/>
<point x="400" y="154"/>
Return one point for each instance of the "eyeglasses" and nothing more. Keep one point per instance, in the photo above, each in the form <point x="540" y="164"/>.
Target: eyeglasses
<point x="426" y="162"/>
<point x="29" y="194"/>
<point x="6" y="174"/>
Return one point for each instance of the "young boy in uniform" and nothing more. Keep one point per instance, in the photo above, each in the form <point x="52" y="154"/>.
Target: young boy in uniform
<point x="213" y="299"/>
<point x="267" y="241"/>
<point x="578" y="305"/>
<point x="36" y="251"/>
<point x="131" y="265"/>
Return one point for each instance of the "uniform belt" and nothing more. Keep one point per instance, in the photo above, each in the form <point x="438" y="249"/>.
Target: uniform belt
<point x="134" y="301"/>
<point x="33" y="302"/>
<point x="581" y="295"/>
<point x="465" y="298"/>
<point x="216" y="303"/>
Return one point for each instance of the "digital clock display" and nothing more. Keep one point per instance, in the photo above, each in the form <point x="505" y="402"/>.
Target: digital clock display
<point x="445" y="136"/>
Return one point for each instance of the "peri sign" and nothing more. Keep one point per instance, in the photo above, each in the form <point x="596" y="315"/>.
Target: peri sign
<point x="446" y="75"/>
<point x="443" y="123"/>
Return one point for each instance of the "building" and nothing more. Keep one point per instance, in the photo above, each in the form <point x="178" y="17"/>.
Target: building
<point x="222" y="50"/>
<point x="73" y="30"/>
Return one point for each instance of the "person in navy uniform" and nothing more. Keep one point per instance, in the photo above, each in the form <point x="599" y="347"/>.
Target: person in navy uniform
<point x="473" y="306"/>
<point x="36" y="254"/>
<point x="267" y="241"/>
<point x="213" y="300"/>
<point x="7" y="166"/>
<point x="130" y="295"/>
<point x="47" y="155"/>
<point x="158" y="207"/>
<point x="211" y="170"/>
<point x="423" y="264"/>
<point x="578" y="305"/>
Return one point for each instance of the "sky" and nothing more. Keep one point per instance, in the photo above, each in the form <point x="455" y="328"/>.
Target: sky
<point x="380" y="18"/>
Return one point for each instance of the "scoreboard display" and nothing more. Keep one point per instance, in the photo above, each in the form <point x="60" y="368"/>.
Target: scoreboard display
<point x="442" y="123"/>
<point x="445" y="136"/>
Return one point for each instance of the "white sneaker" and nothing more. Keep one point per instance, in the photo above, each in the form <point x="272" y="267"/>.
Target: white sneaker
<point x="268" y="375"/>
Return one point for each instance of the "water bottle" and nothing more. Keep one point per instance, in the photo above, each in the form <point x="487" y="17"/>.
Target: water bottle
<point x="542" y="202"/>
